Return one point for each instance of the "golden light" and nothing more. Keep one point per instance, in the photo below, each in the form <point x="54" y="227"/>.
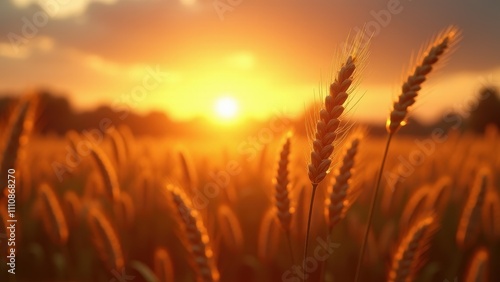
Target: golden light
<point x="188" y="2"/>
<point x="226" y="108"/>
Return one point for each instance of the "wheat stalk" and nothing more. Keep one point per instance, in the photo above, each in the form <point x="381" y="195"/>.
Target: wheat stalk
<point x="16" y="135"/>
<point x="72" y="207"/>
<point x="491" y="216"/>
<point x="125" y="210"/>
<point x="478" y="268"/>
<point x="93" y="186"/>
<point x="469" y="225"/>
<point x="105" y="239"/>
<point x="300" y="216"/>
<point x="163" y="266"/>
<point x="445" y="41"/>
<point x="119" y="150"/>
<point x="268" y="236"/>
<point x="128" y="141"/>
<point x="439" y="195"/>
<point x="417" y="204"/>
<point x="328" y="125"/>
<point x="53" y="217"/>
<point x="230" y="228"/>
<point x="340" y="195"/>
<point x="195" y="236"/>
<point x="188" y="171"/>
<point x="409" y="253"/>
<point x="107" y="172"/>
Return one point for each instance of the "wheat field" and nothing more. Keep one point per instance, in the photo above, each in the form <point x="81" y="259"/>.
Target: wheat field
<point x="110" y="205"/>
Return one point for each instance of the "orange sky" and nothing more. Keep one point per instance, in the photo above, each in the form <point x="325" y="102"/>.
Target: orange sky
<point x="265" y="54"/>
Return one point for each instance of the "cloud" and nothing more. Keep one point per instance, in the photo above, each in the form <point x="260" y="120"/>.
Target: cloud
<point x="157" y="31"/>
<point x="61" y="8"/>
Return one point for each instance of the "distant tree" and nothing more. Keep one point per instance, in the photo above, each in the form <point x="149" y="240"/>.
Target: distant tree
<point x="486" y="112"/>
<point x="55" y="114"/>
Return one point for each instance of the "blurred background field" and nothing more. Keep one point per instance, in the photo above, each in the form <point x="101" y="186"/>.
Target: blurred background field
<point x="146" y="135"/>
<point x="144" y="221"/>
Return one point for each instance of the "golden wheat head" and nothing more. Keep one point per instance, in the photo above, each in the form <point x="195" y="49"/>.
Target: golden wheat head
<point x="105" y="239"/>
<point x="409" y="254"/>
<point x="469" y="224"/>
<point x="53" y="216"/>
<point x="194" y="236"/>
<point x="282" y="187"/>
<point x="328" y="126"/>
<point x="340" y="194"/>
<point x="107" y="172"/>
<point x="443" y="43"/>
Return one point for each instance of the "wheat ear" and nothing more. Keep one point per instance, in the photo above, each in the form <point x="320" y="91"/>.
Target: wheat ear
<point x="268" y="236"/>
<point x="195" y="236"/>
<point x="53" y="217"/>
<point x="409" y="254"/>
<point x="444" y="42"/>
<point x="409" y="91"/>
<point x="469" y="225"/>
<point x="439" y="196"/>
<point x="188" y="171"/>
<point x="417" y="204"/>
<point x="119" y="150"/>
<point x="230" y="228"/>
<point x="128" y="141"/>
<point x="72" y="207"/>
<point x="340" y="194"/>
<point x="107" y="172"/>
<point x="105" y="239"/>
<point x="282" y="188"/>
<point x="328" y="126"/>
<point x="124" y="210"/>
<point x="282" y="193"/>
<point x="16" y="135"/>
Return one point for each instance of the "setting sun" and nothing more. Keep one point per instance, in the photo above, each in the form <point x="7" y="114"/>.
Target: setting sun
<point x="226" y="108"/>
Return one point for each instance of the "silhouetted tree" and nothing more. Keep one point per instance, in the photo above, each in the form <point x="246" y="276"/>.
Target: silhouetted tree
<point x="54" y="114"/>
<point x="486" y="112"/>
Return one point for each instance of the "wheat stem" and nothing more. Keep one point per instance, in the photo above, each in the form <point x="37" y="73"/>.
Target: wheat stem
<point x="289" y="241"/>
<point x="306" y="243"/>
<point x="372" y="207"/>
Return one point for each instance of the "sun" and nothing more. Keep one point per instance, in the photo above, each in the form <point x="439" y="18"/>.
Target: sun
<point x="226" y="108"/>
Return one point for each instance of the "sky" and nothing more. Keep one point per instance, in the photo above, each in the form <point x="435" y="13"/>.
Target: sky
<point x="187" y="57"/>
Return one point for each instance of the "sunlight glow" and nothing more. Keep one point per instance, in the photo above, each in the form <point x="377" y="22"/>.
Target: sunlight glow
<point x="226" y="107"/>
<point x="188" y="2"/>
